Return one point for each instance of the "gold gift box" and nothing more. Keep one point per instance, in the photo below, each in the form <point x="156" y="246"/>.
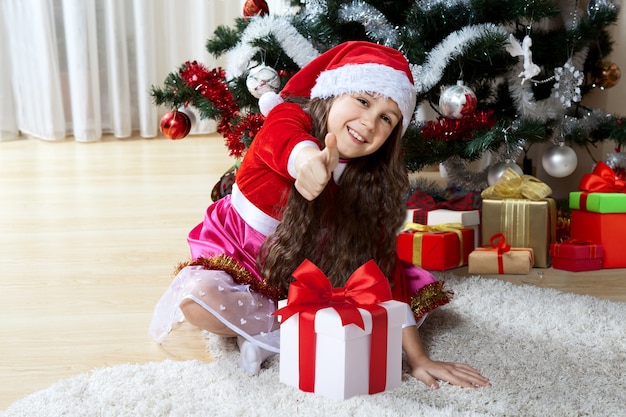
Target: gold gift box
<point x="517" y="261"/>
<point x="525" y="224"/>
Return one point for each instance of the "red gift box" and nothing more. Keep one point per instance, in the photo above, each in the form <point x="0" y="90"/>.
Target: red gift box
<point x="607" y="229"/>
<point x="576" y="256"/>
<point x="435" y="249"/>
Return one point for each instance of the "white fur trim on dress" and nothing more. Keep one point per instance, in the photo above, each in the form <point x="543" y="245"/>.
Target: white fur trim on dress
<point x="251" y="214"/>
<point x="369" y="77"/>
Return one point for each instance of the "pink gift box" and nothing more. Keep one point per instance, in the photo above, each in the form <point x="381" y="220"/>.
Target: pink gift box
<point x="342" y="353"/>
<point x="577" y="256"/>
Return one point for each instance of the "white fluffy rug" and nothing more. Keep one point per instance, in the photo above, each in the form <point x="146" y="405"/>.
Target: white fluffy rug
<point x="547" y="354"/>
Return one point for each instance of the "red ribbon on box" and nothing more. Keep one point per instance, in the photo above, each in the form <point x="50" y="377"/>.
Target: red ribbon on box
<point x="420" y="200"/>
<point x="593" y="248"/>
<point x="420" y="229"/>
<point x="601" y="180"/>
<point x="312" y="291"/>
<point x="498" y="242"/>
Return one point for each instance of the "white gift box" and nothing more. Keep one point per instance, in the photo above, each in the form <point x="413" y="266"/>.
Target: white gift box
<point x="342" y="353"/>
<point x="468" y="218"/>
<point x="410" y="216"/>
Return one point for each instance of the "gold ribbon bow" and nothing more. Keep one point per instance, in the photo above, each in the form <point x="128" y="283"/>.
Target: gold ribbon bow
<point x="513" y="185"/>
<point x="422" y="228"/>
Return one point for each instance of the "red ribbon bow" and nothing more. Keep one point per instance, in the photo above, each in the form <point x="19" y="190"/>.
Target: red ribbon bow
<point x="420" y="200"/>
<point x="312" y="291"/>
<point x="498" y="242"/>
<point x="602" y="180"/>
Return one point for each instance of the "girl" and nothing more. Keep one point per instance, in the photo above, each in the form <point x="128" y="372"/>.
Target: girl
<point x="323" y="180"/>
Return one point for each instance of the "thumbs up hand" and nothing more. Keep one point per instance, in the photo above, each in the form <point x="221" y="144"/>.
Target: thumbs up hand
<point x="316" y="167"/>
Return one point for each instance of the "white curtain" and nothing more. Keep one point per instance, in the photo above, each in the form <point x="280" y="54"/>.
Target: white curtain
<point x="86" y="67"/>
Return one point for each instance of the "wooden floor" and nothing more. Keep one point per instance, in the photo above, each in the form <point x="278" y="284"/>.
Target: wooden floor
<point x="90" y="235"/>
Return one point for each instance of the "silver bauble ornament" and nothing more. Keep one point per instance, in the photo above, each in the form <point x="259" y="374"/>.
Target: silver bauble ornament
<point x="496" y="170"/>
<point x="457" y="101"/>
<point x="262" y="79"/>
<point x="594" y="5"/>
<point x="559" y="161"/>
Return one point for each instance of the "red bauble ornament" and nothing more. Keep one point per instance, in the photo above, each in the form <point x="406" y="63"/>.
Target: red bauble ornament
<point x="175" y="124"/>
<point x="253" y="8"/>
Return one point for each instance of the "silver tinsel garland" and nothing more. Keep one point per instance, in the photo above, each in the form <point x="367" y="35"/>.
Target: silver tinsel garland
<point x="376" y="25"/>
<point x="296" y="46"/>
<point x="590" y="120"/>
<point x="428" y="5"/>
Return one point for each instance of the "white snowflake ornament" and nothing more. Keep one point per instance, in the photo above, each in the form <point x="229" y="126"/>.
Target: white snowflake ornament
<point x="567" y="86"/>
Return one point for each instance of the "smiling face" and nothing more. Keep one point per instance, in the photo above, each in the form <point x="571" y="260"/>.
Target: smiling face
<point x="362" y="123"/>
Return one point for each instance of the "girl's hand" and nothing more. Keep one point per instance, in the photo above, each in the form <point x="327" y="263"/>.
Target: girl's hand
<point x="316" y="169"/>
<point x="430" y="372"/>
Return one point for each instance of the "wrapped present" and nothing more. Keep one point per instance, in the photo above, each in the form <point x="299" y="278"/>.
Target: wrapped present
<point x="468" y="218"/>
<point x="599" y="213"/>
<point x="576" y="256"/>
<point x="607" y="229"/>
<point x="341" y="342"/>
<point x="598" y="202"/>
<point x="500" y="258"/>
<point x="419" y="204"/>
<point x="412" y="216"/>
<point x="600" y="192"/>
<point x="436" y="248"/>
<point x="508" y="208"/>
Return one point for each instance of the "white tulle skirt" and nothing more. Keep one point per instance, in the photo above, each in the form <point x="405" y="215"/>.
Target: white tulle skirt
<point x="246" y="312"/>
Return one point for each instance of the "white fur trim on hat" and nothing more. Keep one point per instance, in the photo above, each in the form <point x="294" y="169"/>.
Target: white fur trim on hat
<point x="368" y="77"/>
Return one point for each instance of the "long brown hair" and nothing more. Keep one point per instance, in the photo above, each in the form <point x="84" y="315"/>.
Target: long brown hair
<point x="346" y="225"/>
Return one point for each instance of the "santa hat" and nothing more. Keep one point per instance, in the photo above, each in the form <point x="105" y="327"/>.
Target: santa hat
<point x="352" y="67"/>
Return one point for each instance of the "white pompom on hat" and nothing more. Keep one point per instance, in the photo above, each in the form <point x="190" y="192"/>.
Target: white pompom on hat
<point x="353" y="67"/>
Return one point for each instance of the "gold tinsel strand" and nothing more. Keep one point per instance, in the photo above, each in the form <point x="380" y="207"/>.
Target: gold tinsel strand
<point x="428" y="298"/>
<point x="239" y="273"/>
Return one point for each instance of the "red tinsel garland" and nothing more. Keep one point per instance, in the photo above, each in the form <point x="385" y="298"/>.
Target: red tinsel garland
<point x="238" y="131"/>
<point x="247" y="129"/>
<point x="450" y="130"/>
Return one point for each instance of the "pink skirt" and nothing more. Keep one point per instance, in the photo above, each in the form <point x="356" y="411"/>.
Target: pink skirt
<point x="223" y="232"/>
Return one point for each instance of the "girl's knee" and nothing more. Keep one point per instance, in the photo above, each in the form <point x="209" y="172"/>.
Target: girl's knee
<point x="198" y="316"/>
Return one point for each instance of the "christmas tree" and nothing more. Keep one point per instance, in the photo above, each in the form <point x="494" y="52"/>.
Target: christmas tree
<point x="496" y="76"/>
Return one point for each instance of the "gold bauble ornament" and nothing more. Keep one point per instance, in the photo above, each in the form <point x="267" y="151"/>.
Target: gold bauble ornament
<point x="606" y="74"/>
